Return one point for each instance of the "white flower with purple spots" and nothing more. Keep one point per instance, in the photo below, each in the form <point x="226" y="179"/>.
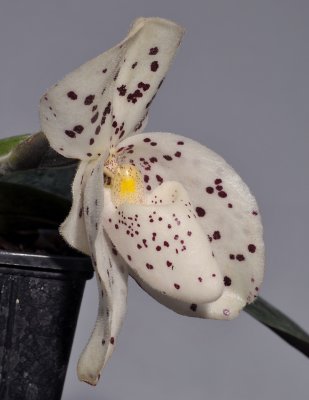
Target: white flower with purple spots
<point x="158" y="206"/>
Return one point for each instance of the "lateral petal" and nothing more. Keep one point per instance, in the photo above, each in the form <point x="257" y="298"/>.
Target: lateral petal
<point x="112" y="276"/>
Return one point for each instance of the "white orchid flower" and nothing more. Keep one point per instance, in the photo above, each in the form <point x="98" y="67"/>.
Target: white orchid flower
<point x="161" y="207"/>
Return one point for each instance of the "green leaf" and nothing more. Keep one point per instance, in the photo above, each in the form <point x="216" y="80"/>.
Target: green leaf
<point x="25" y="208"/>
<point x="279" y="323"/>
<point x="52" y="180"/>
<point x="7" y="144"/>
<point x="32" y="153"/>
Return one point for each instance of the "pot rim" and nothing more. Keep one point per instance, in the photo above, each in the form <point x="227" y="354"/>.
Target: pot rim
<point x="72" y="264"/>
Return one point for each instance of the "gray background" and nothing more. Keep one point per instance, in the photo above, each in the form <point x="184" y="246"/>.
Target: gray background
<point x="239" y="84"/>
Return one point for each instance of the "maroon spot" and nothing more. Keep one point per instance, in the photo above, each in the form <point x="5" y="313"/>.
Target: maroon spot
<point x="94" y="108"/>
<point x="213" y="275"/>
<point x="200" y="211"/>
<point x="230" y="205"/>
<point x="148" y="187"/>
<point x="219" y="188"/>
<point x="222" y="194"/>
<point x="134" y="65"/>
<point x="103" y="342"/>
<point x="153" y="51"/>
<point x="153" y="159"/>
<point x="91" y="141"/>
<point x="166" y="244"/>
<point x="114" y="124"/>
<point x="168" y="158"/>
<point x="209" y="189"/>
<point x="193" y="307"/>
<point x="168" y="263"/>
<point x="240" y="257"/>
<point x="159" y="178"/>
<point x="144" y="86"/>
<point x="94" y="118"/>
<point x="149" y="266"/>
<point x="158" y="248"/>
<point x="181" y="143"/>
<point x="145" y="242"/>
<point x="129" y="257"/>
<point x="176" y="237"/>
<point x="177" y="154"/>
<point x="89" y="154"/>
<point x="189" y="233"/>
<point x="89" y="100"/>
<point x="112" y="340"/>
<point x="80" y="212"/>
<point x="227" y="281"/>
<point x="257" y="289"/>
<point x="104" y="71"/>
<point x="169" y="226"/>
<point x="218" y="181"/>
<point x="200" y="279"/>
<point x="71" y="134"/>
<point x="216" y="235"/>
<point x="153" y="144"/>
<point x="72" y="95"/>
<point x="254" y="213"/>
<point x="154" y="66"/>
<point x="176" y="286"/>
<point x="251" y="248"/>
<point x="139" y="246"/>
<point x="232" y="257"/>
<point x="97" y="130"/>
<point x="147" y="140"/>
<point x="122" y="90"/>
<point x="78" y="128"/>
<point x="146" y="178"/>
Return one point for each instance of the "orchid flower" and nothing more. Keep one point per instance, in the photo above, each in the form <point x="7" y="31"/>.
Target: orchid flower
<point x="158" y="206"/>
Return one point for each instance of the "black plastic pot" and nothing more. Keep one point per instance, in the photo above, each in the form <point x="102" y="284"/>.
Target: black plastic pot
<point x="40" y="297"/>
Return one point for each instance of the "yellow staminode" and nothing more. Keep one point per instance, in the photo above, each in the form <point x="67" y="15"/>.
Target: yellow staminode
<point x="127" y="185"/>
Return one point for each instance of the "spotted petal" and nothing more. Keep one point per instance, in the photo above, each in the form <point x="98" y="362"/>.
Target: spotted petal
<point x="107" y="98"/>
<point x="226" y="211"/>
<point x="112" y="276"/>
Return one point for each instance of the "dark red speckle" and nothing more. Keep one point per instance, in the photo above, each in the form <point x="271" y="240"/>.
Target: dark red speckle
<point x="154" y="66"/>
<point x="252" y="248"/>
<point x="177" y="154"/>
<point x="176" y="286"/>
<point x="216" y="235"/>
<point x="78" y="128"/>
<point x="112" y="340"/>
<point x="193" y="307"/>
<point x="200" y="211"/>
<point x="218" y="181"/>
<point x="153" y="51"/>
<point x="227" y="281"/>
<point x="222" y="194"/>
<point x="72" y="95"/>
<point x="89" y="100"/>
<point x="240" y="257"/>
<point x="209" y="190"/>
